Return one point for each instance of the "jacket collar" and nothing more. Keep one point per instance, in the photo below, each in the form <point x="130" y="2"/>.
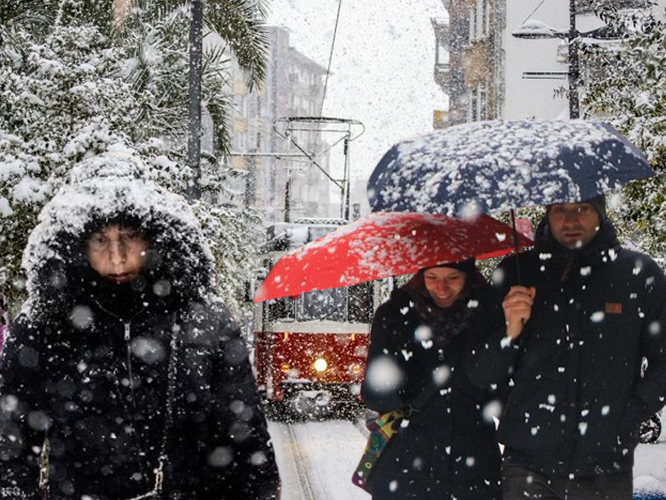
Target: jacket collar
<point x="566" y="262"/>
<point x="604" y="242"/>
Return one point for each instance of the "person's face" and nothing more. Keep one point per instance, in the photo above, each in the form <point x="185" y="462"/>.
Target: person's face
<point x="444" y="284"/>
<point x="573" y="225"/>
<point x="117" y="253"/>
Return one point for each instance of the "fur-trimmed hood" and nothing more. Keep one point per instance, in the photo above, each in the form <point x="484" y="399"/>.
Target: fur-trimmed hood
<point x="115" y="187"/>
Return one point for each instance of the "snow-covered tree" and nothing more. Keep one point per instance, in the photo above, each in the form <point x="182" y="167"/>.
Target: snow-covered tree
<point x="157" y="32"/>
<point x="625" y="85"/>
<point x="67" y="93"/>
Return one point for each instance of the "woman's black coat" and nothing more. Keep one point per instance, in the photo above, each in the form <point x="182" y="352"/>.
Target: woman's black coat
<point x="448" y="449"/>
<point x="88" y="363"/>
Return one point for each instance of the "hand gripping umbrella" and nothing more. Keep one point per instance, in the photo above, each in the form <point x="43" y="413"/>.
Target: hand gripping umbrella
<point x="382" y="245"/>
<point x="501" y="165"/>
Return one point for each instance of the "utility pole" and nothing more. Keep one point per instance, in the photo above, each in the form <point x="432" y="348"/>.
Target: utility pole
<point x="287" y="196"/>
<point x="574" y="69"/>
<point x="572" y="36"/>
<point x="346" y="181"/>
<point x="194" y="124"/>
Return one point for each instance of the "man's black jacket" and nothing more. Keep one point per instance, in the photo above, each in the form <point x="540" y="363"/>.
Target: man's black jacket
<point x="577" y="389"/>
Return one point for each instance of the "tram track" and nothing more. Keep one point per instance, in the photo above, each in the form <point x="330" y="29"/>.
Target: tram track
<point x="301" y="462"/>
<point x="317" y="458"/>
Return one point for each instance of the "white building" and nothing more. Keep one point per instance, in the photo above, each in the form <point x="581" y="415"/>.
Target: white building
<point x="492" y="74"/>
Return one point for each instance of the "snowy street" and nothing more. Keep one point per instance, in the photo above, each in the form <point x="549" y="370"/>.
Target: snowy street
<point x="317" y="459"/>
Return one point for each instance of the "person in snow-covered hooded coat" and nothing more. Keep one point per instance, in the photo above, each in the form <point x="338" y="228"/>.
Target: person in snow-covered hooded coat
<point x="419" y="340"/>
<point x="579" y="325"/>
<point x="124" y="358"/>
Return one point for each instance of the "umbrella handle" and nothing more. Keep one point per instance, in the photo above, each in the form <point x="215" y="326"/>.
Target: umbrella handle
<point x="516" y="246"/>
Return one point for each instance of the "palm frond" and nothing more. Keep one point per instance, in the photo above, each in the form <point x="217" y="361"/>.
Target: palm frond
<point x="215" y="76"/>
<point x="241" y="22"/>
<point x="218" y="109"/>
<point x="35" y="16"/>
<point x="143" y="13"/>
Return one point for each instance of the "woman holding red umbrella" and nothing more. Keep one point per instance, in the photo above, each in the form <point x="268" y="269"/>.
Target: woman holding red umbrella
<point x="445" y="447"/>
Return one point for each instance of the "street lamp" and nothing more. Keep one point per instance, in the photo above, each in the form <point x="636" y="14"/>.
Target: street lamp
<point x="538" y="30"/>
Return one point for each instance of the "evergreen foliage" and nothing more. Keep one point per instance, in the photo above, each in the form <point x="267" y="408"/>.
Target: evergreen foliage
<point x="80" y="83"/>
<point x="625" y="85"/>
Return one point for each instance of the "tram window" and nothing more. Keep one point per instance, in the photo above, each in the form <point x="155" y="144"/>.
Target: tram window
<point x="281" y="309"/>
<point x="360" y="303"/>
<point x="322" y="304"/>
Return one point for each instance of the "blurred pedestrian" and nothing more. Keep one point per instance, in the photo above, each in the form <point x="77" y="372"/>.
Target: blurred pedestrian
<point x="123" y="356"/>
<point x="446" y="447"/>
<point x="580" y="322"/>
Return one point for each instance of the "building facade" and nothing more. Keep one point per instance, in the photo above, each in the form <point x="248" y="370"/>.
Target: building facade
<point x="492" y="74"/>
<point x="470" y="75"/>
<point x="281" y="163"/>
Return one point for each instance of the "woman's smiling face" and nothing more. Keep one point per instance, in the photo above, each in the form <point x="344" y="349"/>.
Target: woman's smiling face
<point x="444" y="284"/>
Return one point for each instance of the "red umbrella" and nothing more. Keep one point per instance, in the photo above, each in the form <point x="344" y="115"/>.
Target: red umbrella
<point x="382" y="245"/>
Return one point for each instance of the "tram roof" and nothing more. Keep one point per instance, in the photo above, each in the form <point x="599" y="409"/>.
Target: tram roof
<point x="285" y="236"/>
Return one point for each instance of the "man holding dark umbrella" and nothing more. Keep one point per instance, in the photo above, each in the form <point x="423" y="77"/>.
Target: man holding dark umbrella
<point x="585" y="351"/>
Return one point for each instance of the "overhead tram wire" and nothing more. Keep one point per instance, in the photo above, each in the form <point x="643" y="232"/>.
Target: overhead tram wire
<point x="328" y="68"/>
<point x="535" y="9"/>
<point x="330" y="58"/>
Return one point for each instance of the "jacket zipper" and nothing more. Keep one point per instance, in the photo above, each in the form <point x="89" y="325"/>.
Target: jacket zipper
<point x="127" y="336"/>
<point x="567" y="269"/>
<point x="130" y="374"/>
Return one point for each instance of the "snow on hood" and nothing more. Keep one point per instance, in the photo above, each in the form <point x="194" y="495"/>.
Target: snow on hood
<point x="107" y="187"/>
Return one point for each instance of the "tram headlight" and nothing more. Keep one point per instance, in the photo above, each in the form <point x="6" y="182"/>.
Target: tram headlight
<point x="320" y="364"/>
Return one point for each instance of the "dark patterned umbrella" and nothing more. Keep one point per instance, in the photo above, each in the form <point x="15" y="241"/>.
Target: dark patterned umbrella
<point x="501" y="165"/>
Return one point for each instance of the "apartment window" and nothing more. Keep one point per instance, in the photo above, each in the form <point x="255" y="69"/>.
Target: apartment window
<point x="240" y="102"/>
<point x="478" y="103"/>
<point x="473" y="24"/>
<point x="241" y="142"/>
<point x="484" y="18"/>
<point x="483" y="101"/>
<point x="479" y="20"/>
<point x="245" y="107"/>
<point x="442" y="54"/>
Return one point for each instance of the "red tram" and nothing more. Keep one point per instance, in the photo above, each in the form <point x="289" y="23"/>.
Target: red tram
<point x="310" y="352"/>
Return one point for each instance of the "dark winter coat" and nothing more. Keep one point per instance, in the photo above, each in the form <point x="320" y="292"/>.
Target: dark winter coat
<point x="577" y="395"/>
<point x="89" y="362"/>
<point x="449" y="449"/>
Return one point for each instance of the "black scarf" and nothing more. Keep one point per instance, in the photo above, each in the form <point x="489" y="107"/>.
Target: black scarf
<point x="124" y="300"/>
<point x="445" y="323"/>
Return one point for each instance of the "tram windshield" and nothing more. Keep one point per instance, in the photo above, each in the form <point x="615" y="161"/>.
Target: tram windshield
<point x="322" y="304"/>
<point x="352" y="304"/>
